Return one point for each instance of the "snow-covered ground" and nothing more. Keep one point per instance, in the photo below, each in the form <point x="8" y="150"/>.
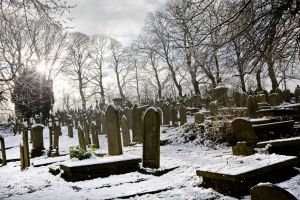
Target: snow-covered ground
<point x="181" y="183"/>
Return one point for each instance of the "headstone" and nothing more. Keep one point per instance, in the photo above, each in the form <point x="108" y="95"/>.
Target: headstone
<point x="264" y="191"/>
<point x="261" y="98"/>
<point x="3" y="153"/>
<point x="81" y="138"/>
<point x="135" y="125"/>
<point x="151" y="139"/>
<point x="237" y="99"/>
<point x="252" y="106"/>
<point x="166" y="114"/>
<point x="242" y="149"/>
<point x="280" y="95"/>
<point x="297" y="94"/>
<point x="199" y="118"/>
<point x="22" y="163"/>
<point x="38" y="140"/>
<point x="95" y="138"/>
<point x="213" y="107"/>
<point x="286" y="95"/>
<point x="220" y="94"/>
<point x="274" y="99"/>
<point x="125" y="131"/>
<point x="113" y="131"/>
<point x="244" y="97"/>
<point x="197" y="101"/>
<point x="56" y="134"/>
<point x="243" y="131"/>
<point x="25" y="146"/>
<point x="174" y="117"/>
<point x="86" y="130"/>
<point x="182" y="115"/>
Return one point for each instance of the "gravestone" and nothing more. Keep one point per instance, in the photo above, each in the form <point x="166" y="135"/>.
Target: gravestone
<point x="237" y="99"/>
<point x="151" y="139"/>
<point x="252" y="106"/>
<point x="166" y="114"/>
<point x="297" y="94"/>
<point x="3" y="153"/>
<point x="174" y="117"/>
<point x="125" y="131"/>
<point x="22" y="163"/>
<point x="86" y="130"/>
<point x="70" y="128"/>
<point x="160" y="115"/>
<point x="220" y="94"/>
<point x="286" y="95"/>
<point x="95" y="138"/>
<point x="50" y="125"/>
<point x="182" y="115"/>
<point x="242" y="131"/>
<point x="244" y="97"/>
<point x="113" y="131"/>
<point x="261" y="98"/>
<point x="280" y="95"/>
<point x="274" y="99"/>
<point x="242" y="149"/>
<point x="81" y="137"/>
<point x="197" y="101"/>
<point x="37" y="140"/>
<point x="199" y="118"/>
<point x="141" y="112"/>
<point x="188" y="102"/>
<point x="213" y="107"/>
<point x="135" y="126"/>
<point x="56" y="134"/>
<point x="264" y="191"/>
<point x="26" y="157"/>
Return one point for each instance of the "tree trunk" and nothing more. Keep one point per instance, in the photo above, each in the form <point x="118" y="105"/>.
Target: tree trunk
<point x="81" y="92"/>
<point x="137" y="83"/>
<point x="258" y="79"/>
<point x="101" y="87"/>
<point x="119" y="85"/>
<point x="271" y="74"/>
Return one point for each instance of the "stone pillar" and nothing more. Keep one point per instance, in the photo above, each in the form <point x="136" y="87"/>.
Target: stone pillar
<point x="151" y="139"/>
<point x="125" y="132"/>
<point x="113" y="131"/>
<point x="38" y="140"/>
<point x="182" y="115"/>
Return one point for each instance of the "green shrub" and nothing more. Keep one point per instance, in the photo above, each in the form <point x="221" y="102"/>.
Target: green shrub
<point x="77" y="152"/>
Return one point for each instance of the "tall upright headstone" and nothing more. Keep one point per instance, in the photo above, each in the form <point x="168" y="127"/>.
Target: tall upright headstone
<point x="3" y="153"/>
<point x="113" y="131"/>
<point x="25" y="145"/>
<point x="237" y="99"/>
<point x="274" y="99"/>
<point x="174" y="117"/>
<point x="38" y="140"/>
<point x="182" y="115"/>
<point x="297" y="94"/>
<point x="252" y="106"/>
<point x="81" y="137"/>
<point x="166" y="114"/>
<point x="95" y="138"/>
<point x="151" y="139"/>
<point x="125" y="131"/>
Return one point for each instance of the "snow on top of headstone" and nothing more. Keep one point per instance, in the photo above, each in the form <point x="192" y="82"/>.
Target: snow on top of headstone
<point x="93" y="123"/>
<point x="36" y="125"/>
<point x="25" y="124"/>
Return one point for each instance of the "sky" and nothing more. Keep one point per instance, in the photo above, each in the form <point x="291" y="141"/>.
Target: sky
<point x="120" y="19"/>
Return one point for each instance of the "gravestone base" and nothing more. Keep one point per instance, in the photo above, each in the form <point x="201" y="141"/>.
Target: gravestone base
<point x="103" y="167"/>
<point x="155" y="172"/>
<point x="36" y="153"/>
<point x="239" y="184"/>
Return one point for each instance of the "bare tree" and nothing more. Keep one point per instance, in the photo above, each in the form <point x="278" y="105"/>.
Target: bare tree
<point x="77" y="63"/>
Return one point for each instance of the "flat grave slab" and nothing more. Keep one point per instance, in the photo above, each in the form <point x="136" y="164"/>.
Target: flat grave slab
<point x="236" y="176"/>
<point x="100" y="167"/>
<point x="286" y="146"/>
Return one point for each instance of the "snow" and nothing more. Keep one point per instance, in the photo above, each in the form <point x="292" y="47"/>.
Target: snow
<point x="180" y="183"/>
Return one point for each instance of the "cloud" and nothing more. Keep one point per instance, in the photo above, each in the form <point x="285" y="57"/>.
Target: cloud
<point x="120" y="19"/>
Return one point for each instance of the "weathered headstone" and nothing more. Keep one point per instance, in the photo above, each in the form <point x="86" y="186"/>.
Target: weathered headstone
<point x="274" y="99"/>
<point x="135" y="126"/>
<point x="264" y="191"/>
<point x="280" y="95"/>
<point x="243" y="131"/>
<point x="252" y="106"/>
<point x="244" y="97"/>
<point x="174" y="117"/>
<point x="182" y="115"/>
<point x="95" y="138"/>
<point x="237" y="99"/>
<point x="261" y="98"/>
<point x="25" y="146"/>
<point x="22" y="163"/>
<point x="125" y="131"/>
<point x="166" y="114"/>
<point x="151" y="139"/>
<point x="81" y="137"/>
<point x="220" y="94"/>
<point x="286" y="95"/>
<point x="113" y="131"/>
<point x="213" y="107"/>
<point x="242" y="149"/>
<point x="297" y="94"/>
<point x="38" y="140"/>
<point x="199" y="118"/>
<point x="197" y="101"/>
<point x="56" y="134"/>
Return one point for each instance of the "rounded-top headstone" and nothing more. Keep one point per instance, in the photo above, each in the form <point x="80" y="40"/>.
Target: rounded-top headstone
<point x="264" y="191"/>
<point x="274" y="99"/>
<point x="252" y="106"/>
<point x="243" y="131"/>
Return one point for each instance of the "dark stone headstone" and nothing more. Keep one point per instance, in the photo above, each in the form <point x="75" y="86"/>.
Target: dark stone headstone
<point x="264" y="191"/>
